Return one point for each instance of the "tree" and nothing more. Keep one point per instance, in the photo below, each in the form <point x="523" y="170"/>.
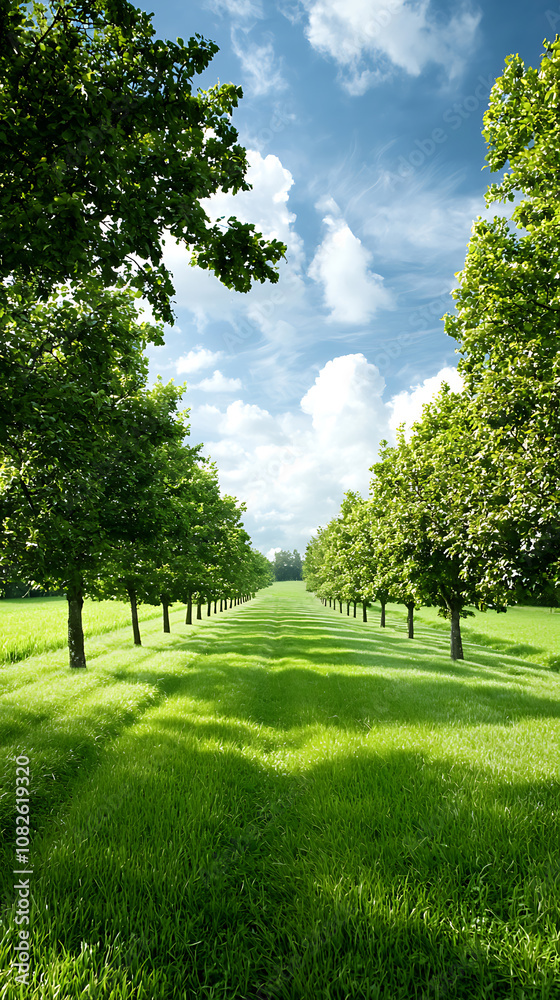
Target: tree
<point x="261" y="571"/>
<point x="429" y="488"/>
<point x="287" y="565"/>
<point x="106" y="148"/>
<point x="78" y="430"/>
<point x="508" y="308"/>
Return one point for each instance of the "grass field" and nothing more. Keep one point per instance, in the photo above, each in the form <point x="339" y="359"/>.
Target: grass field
<point x="280" y="802"/>
<point x="37" y="624"/>
<point x="533" y="633"/>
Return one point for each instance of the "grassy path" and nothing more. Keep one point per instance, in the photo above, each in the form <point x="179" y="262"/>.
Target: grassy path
<point x="284" y="803"/>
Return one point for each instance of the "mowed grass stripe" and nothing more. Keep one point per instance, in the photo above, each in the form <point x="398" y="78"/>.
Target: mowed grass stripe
<point x="307" y="809"/>
<point x="30" y="626"/>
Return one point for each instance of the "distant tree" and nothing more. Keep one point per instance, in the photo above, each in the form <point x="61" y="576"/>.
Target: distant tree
<point x="106" y="151"/>
<point x="262" y="571"/>
<point x="287" y="565"/>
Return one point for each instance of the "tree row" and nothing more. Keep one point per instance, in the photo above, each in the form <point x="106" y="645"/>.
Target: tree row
<point x="465" y="509"/>
<point x="101" y="495"/>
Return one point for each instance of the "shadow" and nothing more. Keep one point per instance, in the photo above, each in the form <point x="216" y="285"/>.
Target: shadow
<point x="471" y="637"/>
<point x="197" y="856"/>
<point x="370" y="874"/>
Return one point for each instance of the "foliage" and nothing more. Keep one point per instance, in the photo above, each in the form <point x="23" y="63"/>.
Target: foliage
<point x="508" y="305"/>
<point x="287" y="565"/>
<point x="106" y="147"/>
<point x="83" y="416"/>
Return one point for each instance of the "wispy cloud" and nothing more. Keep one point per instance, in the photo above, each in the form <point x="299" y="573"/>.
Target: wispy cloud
<point x="260" y="64"/>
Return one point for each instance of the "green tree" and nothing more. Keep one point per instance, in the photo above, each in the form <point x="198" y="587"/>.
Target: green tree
<point x="428" y="490"/>
<point x="106" y="147"/>
<point x="287" y="565"/>
<point x="78" y="430"/>
<point x="506" y="323"/>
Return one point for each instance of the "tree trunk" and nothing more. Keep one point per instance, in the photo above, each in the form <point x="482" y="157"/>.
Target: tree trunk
<point x="340" y="606"/>
<point x="354" y="609"/>
<point x="209" y="609"/>
<point x="456" y="641"/>
<point x="382" y="623"/>
<point x="76" y="652"/>
<point x="364" y="611"/>
<point x="348" y="608"/>
<point x="134" y="616"/>
<point x="410" y="608"/>
<point x="231" y="602"/>
<point x="188" y="618"/>
<point x="165" y="606"/>
<point x="198" y="610"/>
<point x="215" y="607"/>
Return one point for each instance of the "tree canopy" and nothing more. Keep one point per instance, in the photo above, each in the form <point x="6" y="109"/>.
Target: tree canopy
<point x="506" y="326"/>
<point x="107" y="149"/>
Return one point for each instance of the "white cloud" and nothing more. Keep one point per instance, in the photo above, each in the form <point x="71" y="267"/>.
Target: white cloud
<point x="407" y="406"/>
<point x="259" y="65"/>
<point x="271" y="553"/>
<point x="266" y="305"/>
<point x="218" y="383"/>
<point x="369" y="39"/>
<point x="352" y="292"/>
<point x="197" y="359"/>
<point x="293" y="468"/>
<point x="242" y="10"/>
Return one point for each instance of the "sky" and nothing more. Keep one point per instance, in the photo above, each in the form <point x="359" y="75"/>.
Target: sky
<point x="362" y="120"/>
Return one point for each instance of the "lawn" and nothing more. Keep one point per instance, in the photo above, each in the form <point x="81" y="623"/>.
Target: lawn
<point x="37" y="624"/>
<point x="281" y="802"/>
<point x="530" y="632"/>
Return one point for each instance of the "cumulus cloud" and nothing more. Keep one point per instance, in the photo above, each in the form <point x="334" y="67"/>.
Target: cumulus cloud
<point x="407" y="406"/>
<point x="266" y="305"/>
<point x="218" y="383"/>
<point x="369" y="39"/>
<point x="197" y="359"/>
<point x="293" y="468"/>
<point x="352" y="292"/>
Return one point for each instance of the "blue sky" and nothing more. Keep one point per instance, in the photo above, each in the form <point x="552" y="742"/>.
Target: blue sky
<point x="363" y="121"/>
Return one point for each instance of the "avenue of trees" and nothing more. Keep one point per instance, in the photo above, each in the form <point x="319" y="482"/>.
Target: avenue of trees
<point x="107" y="150"/>
<point x="465" y="510"/>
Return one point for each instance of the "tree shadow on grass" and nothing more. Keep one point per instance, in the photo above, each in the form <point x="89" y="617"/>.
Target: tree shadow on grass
<point x="380" y="874"/>
<point x="293" y="697"/>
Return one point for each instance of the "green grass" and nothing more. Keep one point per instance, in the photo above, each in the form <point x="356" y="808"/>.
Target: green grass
<point x="37" y="624"/>
<point x="280" y="802"/>
<point x="530" y="632"/>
